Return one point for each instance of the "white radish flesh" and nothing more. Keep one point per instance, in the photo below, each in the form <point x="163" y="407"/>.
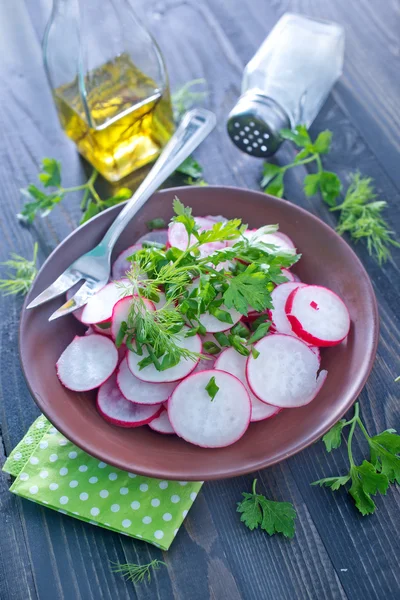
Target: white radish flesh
<point x="87" y="362"/>
<point x="234" y="363"/>
<point x="210" y="423"/>
<point x="99" y="307"/>
<point x="141" y="392"/>
<point x="286" y="239"/>
<point x="117" y="410"/>
<point x="162" y="424"/>
<point x="204" y="364"/>
<point x="121" y="264"/>
<point x="121" y="312"/>
<point x="159" y="236"/>
<point x="317" y="315"/>
<point x="273" y="239"/>
<point x="289" y="276"/>
<point x="179" y="371"/>
<point x="278" y="314"/>
<point x="178" y="237"/>
<point x="285" y="371"/>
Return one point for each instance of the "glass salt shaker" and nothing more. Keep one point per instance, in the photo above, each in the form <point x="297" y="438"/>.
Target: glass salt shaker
<point x="109" y="82"/>
<point x="286" y="82"/>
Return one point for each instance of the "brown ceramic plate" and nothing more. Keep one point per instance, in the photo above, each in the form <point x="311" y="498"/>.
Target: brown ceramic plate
<point x="327" y="260"/>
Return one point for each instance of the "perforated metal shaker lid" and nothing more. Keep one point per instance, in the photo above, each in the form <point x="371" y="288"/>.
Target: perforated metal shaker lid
<point x="254" y="124"/>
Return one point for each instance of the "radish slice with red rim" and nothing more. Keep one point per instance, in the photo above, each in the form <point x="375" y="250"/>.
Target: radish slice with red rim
<point x="204" y="364"/>
<point x="87" y="362"/>
<point x="159" y="236"/>
<point x="285" y="371"/>
<point x="121" y="311"/>
<point x="278" y="314"/>
<point x="210" y="423"/>
<point x="288" y="274"/>
<point x="141" y="392"/>
<point x="317" y="315"/>
<point x="121" y="264"/>
<point x="162" y="424"/>
<point x="234" y="363"/>
<point x="117" y="410"/>
<point x="178" y="237"/>
<point x="99" y="307"/>
<point x="274" y="239"/>
<point x="286" y="239"/>
<point x="102" y="328"/>
<point x="179" y="371"/>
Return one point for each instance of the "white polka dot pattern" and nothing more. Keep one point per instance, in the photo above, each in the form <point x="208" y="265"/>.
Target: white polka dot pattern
<point x="51" y="470"/>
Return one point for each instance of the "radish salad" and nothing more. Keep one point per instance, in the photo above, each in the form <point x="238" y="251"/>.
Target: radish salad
<point x="203" y="329"/>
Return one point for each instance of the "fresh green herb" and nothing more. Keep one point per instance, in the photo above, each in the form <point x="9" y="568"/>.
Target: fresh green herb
<point x="137" y="573"/>
<point x="397" y="379"/>
<point x="173" y="271"/>
<point x="325" y="182"/>
<point x="371" y="476"/>
<point x="273" y="517"/>
<point x="185" y="97"/>
<point x="361" y="217"/>
<point x="360" y="212"/>
<point x="212" y="388"/>
<point x="191" y="168"/>
<point x="42" y="202"/>
<point x="157" y="223"/>
<point x="25" y="271"/>
<point x="211" y="348"/>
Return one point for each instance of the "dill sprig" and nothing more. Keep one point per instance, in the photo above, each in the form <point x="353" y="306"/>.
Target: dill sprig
<point x="136" y="573"/>
<point x="185" y="97"/>
<point x="25" y="271"/>
<point x="361" y="217"/>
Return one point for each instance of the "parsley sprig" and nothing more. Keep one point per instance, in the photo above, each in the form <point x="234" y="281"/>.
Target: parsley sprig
<point x="372" y="476"/>
<point x="325" y="182"/>
<point x="273" y="517"/>
<point x="42" y="202"/>
<point x="360" y="214"/>
<point x="24" y="272"/>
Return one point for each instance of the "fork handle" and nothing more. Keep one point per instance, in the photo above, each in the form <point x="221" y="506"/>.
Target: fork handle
<point x="193" y="129"/>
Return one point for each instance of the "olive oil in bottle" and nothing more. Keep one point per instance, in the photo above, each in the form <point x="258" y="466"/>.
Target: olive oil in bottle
<point x="121" y="122"/>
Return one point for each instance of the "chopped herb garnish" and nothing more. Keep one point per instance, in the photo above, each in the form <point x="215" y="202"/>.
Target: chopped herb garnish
<point x="212" y="388"/>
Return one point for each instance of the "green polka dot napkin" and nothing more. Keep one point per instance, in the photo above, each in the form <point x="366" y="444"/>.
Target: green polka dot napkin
<point x="52" y="471"/>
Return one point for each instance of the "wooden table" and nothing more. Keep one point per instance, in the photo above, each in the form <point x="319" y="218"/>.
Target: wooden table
<point x="336" y="553"/>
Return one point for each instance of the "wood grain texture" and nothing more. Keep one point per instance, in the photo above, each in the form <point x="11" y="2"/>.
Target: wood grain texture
<point x="336" y="553"/>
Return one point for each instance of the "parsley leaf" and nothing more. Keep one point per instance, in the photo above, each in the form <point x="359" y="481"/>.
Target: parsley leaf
<point x="333" y="438"/>
<point x="184" y="216"/>
<point x="51" y="175"/>
<point x="157" y="223"/>
<point x="248" y="289"/>
<point x="371" y="477"/>
<point x="273" y="517"/>
<point x="212" y="388"/>
<point x="191" y="168"/>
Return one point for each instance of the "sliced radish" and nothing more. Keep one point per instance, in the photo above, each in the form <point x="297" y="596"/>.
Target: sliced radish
<point x="87" y="362"/>
<point x="216" y="218"/>
<point x="296" y="277"/>
<point x="204" y="364"/>
<point x="117" y="410"/>
<point x="289" y="243"/>
<point x="178" y="237"/>
<point x="89" y="331"/>
<point x="77" y="313"/>
<point x="205" y="422"/>
<point x="121" y="311"/>
<point x="179" y="371"/>
<point x="162" y="424"/>
<point x="317" y="315"/>
<point x="285" y="372"/>
<point x="160" y="236"/>
<point x="278" y="314"/>
<point x="100" y="306"/>
<point x="121" y="264"/>
<point x="103" y="328"/>
<point x="271" y="238"/>
<point x="141" y="392"/>
<point x="211" y="323"/>
<point x="316" y="351"/>
<point x="234" y="363"/>
<point x="289" y="276"/>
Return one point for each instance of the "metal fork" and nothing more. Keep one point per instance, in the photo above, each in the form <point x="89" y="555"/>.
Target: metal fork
<point x="94" y="266"/>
